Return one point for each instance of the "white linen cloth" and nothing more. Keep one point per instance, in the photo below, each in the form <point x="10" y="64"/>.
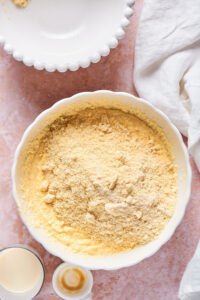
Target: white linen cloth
<point x="167" y="74"/>
<point x="190" y="283"/>
<point x="167" y="64"/>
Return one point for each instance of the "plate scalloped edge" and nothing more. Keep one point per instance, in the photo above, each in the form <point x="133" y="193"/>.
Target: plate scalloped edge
<point x="95" y="58"/>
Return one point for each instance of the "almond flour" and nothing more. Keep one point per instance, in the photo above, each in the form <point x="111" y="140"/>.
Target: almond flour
<point x="101" y="181"/>
<point x="20" y="3"/>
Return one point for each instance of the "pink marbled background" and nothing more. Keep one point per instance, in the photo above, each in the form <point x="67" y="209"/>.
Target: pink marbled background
<point x="24" y="93"/>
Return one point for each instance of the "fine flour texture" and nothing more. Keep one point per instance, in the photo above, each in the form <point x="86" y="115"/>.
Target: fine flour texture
<point x="101" y="181"/>
<point x="20" y="3"/>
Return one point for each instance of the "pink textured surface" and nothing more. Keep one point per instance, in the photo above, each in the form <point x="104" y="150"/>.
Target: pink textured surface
<point x="24" y="93"/>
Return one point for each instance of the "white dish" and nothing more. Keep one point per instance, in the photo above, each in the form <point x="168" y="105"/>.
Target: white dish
<point x="85" y="293"/>
<point x="63" y="34"/>
<point x="181" y="158"/>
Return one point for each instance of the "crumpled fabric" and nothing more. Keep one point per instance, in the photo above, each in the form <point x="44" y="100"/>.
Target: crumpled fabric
<point x="190" y="283"/>
<point x="167" y="64"/>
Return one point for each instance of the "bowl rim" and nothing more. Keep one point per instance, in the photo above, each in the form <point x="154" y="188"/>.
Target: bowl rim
<point x="188" y="166"/>
<point x="86" y="62"/>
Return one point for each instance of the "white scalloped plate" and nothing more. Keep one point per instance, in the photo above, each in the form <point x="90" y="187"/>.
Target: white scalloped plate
<point x="63" y="34"/>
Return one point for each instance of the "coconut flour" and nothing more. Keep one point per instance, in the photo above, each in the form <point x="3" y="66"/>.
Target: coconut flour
<point x="20" y="3"/>
<point x="101" y="181"/>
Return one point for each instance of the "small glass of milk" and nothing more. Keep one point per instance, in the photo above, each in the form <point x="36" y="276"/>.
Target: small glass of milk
<point x="21" y="273"/>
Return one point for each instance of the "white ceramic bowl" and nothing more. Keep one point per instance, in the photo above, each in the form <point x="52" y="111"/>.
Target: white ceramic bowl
<point x="181" y="158"/>
<point x="85" y="294"/>
<point x="62" y="34"/>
